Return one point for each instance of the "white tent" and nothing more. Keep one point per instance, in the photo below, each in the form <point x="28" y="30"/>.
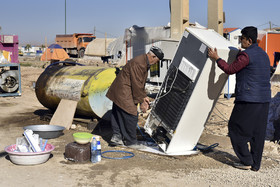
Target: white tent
<point x="97" y="47"/>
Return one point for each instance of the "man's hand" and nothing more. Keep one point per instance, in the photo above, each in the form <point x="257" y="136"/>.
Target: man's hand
<point x="146" y="99"/>
<point x="213" y="54"/>
<point x="145" y="105"/>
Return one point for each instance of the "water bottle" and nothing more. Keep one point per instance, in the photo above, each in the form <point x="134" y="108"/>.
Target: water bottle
<point x="98" y="149"/>
<point x="94" y="158"/>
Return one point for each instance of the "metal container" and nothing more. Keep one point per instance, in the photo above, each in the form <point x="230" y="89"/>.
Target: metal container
<point x="86" y="84"/>
<point x="9" y="43"/>
<point x="46" y="131"/>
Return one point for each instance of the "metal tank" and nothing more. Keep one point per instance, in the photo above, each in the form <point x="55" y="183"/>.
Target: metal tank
<point x="86" y="84"/>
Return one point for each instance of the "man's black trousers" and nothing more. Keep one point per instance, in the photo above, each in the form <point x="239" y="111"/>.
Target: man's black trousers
<point x="247" y="124"/>
<point x="124" y="124"/>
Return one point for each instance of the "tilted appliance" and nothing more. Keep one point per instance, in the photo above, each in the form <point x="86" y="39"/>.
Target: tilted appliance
<point x="189" y="92"/>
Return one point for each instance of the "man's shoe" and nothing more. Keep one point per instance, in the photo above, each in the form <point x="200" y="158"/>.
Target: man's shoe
<point x="136" y="146"/>
<point x="241" y="166"/>
<point x="254" y="169"/>
<point x="116" y="140"/>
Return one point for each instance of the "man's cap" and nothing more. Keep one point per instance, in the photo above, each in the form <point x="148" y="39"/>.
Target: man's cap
<point x="158" y="52"/>
<point x="250" y="32"/>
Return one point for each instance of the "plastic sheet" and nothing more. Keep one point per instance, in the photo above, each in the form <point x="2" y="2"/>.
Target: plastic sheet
<point x="273" y="115"/>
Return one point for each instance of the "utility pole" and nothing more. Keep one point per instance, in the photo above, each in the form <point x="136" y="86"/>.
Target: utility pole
<point x="179" y="17"/>
<point x="46" y="49"/>
<point x="105" y="43"/>
<point x="65" y="16"/>
<point x="216" y="15"/>
<point x="270" y="25"/>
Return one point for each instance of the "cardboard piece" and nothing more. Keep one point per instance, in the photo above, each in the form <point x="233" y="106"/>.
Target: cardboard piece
<point x="64" y="113"/>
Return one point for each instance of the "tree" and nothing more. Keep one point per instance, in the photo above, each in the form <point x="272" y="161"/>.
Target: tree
<point x="43" y="46"/>
<point x="27" y="47"/>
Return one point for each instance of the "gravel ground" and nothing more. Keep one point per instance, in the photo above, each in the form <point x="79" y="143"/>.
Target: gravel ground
<point x="212" y="168"/>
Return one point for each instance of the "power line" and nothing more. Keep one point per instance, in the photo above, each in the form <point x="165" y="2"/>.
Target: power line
<point x="103" y="33"/>
<point x="275" y="25"/>
<point x="263" y="24"/>
<point x="268" y="23"/>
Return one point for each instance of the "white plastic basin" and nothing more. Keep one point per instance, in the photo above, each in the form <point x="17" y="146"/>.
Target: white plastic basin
<point x="29" y="158"/>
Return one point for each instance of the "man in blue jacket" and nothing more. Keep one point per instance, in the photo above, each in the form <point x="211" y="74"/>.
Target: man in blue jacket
<point x="248" y="119"/>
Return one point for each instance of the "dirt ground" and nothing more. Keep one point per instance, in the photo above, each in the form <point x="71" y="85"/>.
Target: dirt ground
<point x="213" y="168"/>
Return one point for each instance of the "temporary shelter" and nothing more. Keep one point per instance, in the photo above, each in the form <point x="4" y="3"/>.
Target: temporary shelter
<point x="99" y="47"/>
<point x="233" y="35"/>
<point x="54" y="52"/>
<point x="269" y="42"/>
<point x="137" y="38"/>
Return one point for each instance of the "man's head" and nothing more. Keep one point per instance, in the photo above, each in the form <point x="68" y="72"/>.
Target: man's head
<point x="249" y="36"/>
<point x="155" y="55"/>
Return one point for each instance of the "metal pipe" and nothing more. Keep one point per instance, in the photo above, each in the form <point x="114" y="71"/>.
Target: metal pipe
<point x="86" y="84"/>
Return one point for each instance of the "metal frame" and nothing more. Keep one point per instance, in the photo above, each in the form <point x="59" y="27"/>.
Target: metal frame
<point x="18" y="93"/>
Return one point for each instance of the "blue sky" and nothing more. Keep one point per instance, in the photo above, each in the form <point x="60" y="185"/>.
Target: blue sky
<point x="35" y="20"/>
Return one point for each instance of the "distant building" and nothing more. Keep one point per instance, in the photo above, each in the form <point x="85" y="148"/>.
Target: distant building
<point x="233" y="35"/>
<point x="33" y="51"/>
<point x="269" y="41"/>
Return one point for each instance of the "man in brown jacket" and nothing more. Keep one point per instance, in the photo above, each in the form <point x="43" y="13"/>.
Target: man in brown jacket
<point x="127" y="90"/>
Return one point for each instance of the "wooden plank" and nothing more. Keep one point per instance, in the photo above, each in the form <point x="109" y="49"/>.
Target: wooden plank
<point x="64" y="113"/>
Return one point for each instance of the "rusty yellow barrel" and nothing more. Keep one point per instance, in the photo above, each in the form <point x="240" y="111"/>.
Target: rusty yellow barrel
<point x="86" y="84"/>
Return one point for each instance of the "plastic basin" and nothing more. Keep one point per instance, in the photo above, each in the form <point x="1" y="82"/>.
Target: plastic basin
<point x="29" y="158"/>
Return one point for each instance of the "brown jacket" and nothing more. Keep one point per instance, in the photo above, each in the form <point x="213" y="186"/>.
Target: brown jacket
<point x="128" y="89"/>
